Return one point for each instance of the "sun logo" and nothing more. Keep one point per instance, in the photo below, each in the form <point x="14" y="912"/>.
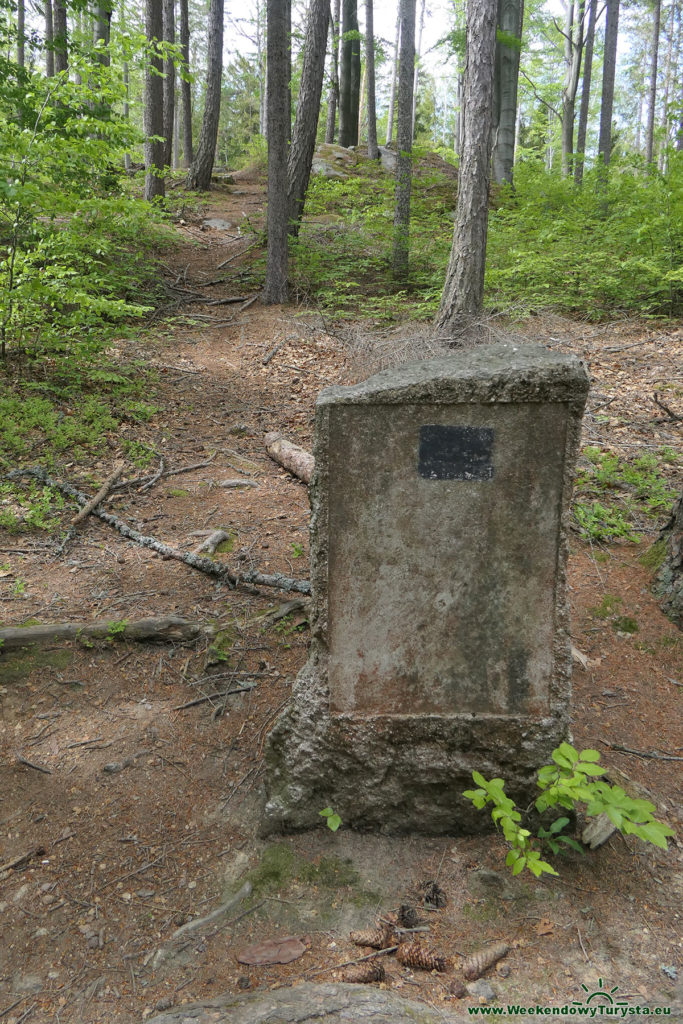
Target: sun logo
<point x="602" y="994"/>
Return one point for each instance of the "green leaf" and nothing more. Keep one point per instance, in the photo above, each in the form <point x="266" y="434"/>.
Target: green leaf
<point x="559" y="824"/>
<point x="519" y="865"/>
<point x="589" y="755"/>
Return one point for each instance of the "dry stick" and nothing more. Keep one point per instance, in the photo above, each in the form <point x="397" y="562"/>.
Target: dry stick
<point x="248" y="303"/>
<point x="672" y="415"/>
<point x="211" y="696"/>
<point x="18" y="862"/>
<point x="101" y="494"/>
<point x="644" y="753"/>
<point x="41" y="768"/>
<point x="234" y="257"/>
<point x="170" y="628"/>
<point x="157" y="476"/>
<point x="276" y="580"/>
<point x="227" y="301"/>
<point x="349" y="963"/>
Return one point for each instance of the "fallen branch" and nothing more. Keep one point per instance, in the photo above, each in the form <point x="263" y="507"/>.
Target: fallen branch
<point x="31" y="764"/>
<point x="212" y="541"/>
<point x="276" y="348"/>
<point x="166" y="951"/>
<point x="211" y="696"/>
<point x="672" y="415"/>
<point x="242" y="252"/>
<point x="166" y="627"/>
<point x="650" y="754"/>
<point x="24" y="858"/>
<point x="101" y="494"/>
<point x="227" y="301"/>
<point x="205" y="565"/>
<point x="297" y="460"/>
<point x="349" y="963"/>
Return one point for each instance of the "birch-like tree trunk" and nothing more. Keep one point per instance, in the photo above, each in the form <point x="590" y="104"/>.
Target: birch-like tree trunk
<point x="60" y="37"/>
<point x="307" y="111"/>
<point x="609" y="68"/>
<point x="463" y="295"/>
<point x="510" y="21"/>
<point x="169" y="80"/>
<point x="394" y="78"/>
<point x="373" y="149"/>
<point x="49" y="51"/>
<point x="102" y="29"/>
<point x="185" y="84"/>
<point x="154" y="104"/>
<point x="349" y="79"/>
<point x="573" y="49"/>
<point x="585" y="93"/>
<point x="277" y="99"/>
<point x="418" y="51"/>
<point x="21" y="38"/>
<point x="199" y="175"/>
<point x="404" y="141"/>
<point x="652" y="93"/>
<point x="333" y="93"/>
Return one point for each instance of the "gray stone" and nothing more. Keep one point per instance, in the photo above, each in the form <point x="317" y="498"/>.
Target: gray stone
<point x="309" y="1004"/>
<point x="388" y="159"/>
<point x="482" y="991"/>
<point x="440" y="639"/>
<point x="27" y="983"/>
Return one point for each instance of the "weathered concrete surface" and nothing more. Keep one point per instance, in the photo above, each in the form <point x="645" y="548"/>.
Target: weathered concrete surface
<point x="440" y="635"/>
<point x="309" y="1004"/>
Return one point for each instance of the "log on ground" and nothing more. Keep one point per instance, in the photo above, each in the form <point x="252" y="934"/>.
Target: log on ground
<point x="290" y="456"/>
<point x="169" y="628"/>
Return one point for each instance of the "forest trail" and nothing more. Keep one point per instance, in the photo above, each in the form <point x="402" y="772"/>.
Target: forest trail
<point x="146" y="816"/>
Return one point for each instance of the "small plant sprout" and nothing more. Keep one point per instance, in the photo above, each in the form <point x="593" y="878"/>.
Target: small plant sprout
<point x="573" y="779"/>
<point x="332" y="820"/>
<point x="297" y="550"/>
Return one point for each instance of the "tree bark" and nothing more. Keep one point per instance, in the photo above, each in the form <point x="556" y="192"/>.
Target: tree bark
<point x="21" y="38"/>
<point x="333" y="93"/>
<point x="102" y="30"/>
<point x="290" y="456"/>
<point x="185" y="84"/>
<point x="608" y="74"/>
<point x="169" y="80"/>
<point x="573" y="52"/>
<point x="154" y="108"/>
<point x="394" y="77"/>
<point x="373" y="149"/>
<point x="307" y="111"/>
<point x="404" y="141"/>
<point x="49" y="51"/>
<point x="463" y="295"/>
<point x="349" y="85"/>
<point x="652" y="95"/>
<point x="168" y="627"/>
<point x="60" y="35"/>
<point x="276" y="289"/>
<point x="199" y="175"/>
<point x="506" y="78"/>
<point x="418" y="50"/>
<point x="669" y="583"/>
<point x="585" y="93"/>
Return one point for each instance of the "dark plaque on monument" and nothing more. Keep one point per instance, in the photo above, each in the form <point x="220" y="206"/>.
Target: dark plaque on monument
<point x="456" y="453"/>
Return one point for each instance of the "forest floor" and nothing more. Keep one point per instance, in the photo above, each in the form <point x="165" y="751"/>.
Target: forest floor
<point x="143" y="815"/>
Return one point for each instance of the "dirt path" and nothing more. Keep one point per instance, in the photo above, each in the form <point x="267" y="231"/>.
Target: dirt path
<point x="148" y="817"/>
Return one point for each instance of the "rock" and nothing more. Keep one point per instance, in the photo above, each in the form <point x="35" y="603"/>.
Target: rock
<point x="333" y="161"/>
<point x="388" y="159"/>
<point x="26" y="983"/>
<point x="482" y="991"/>
<point x="485" y="882"/>
<point x="308" y="1004"/>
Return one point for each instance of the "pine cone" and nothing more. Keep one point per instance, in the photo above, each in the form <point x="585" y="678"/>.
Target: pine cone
<point x="379" y="937"/>
<point x="484" y="958"/>
<point x="364" y="974"/>
<point x="434" y="896"/>
<point x="413" y="954"/>
<point x="457" y="988"/>
<point x="407" y="916"/>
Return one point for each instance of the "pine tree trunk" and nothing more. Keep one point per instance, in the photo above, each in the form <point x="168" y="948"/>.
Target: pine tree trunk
<point x="585" y="93"/>
<point x="373" y="150"/>
<point x="185" y="85"/>
<point x="510" y="21"/>
<point x="349" y="84"/>
<point x="404" y="141"/>
<point x="394" y="77"/>
<point x="307" y="111"/>
<point x="333" y="94"/>
<point x="169" y="80"/>
<point x="154" y="105"/>
<point x="49" y="52"/>
<point x="463" y="295"/>
<point x="199" y="175"/>
<point x="278" y="76"/>
<point x="669" y="582"/>
<point x="652" y="97"/>
<point x="60" y="37"/>
<point x="608" y="74"/>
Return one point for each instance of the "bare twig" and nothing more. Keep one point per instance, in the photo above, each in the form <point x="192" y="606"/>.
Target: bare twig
<point x="153" y="479"/>
<point x="18" y="862"/>
<point x="243" y="252"/>
<point x="211" y="696"/>
<point x="670" y="413"/>
<point x="349" y="963"/>
<point x="648" y="754"/>
<point x="101" y="494"/>
<point x="227" y="300"/>
<point x="38" y="767"/>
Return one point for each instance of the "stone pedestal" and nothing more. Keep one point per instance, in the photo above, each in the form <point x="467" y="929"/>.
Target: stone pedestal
<point x="440" y="638"/>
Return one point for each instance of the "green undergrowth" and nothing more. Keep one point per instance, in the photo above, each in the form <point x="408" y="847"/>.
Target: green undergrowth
<point x="592" y="251"/>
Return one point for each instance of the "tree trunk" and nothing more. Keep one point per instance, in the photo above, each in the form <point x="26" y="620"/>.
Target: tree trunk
<point x="169" y="80"/>
<point x="60" y="37"/>
<point x="669" y="582"/>
<point x="404" y="141"/>
<point x="394" y="76"/>
<point x="608" y="74"/>
<point x="49" y="51"/>
<point x="418" y="50"/>
<point x="199" y="175"/>
<point x="373" y="150"/>
<point x="102" y="30"/>
<point x="510" y="21"/>
<point x="154" y="105"/>
<point x="278" y="122"/>
<point x="21" y="38"/>
<point x="463" y="295"/>
<point x="585" y="93"/>
<point x="573" y="52"/>
<point x="671" y="65"/>
<point x="652" y="96"/>
<point x="307" y="111"/>
<point x="349" y="85"/>
<point x="185" y="84"/>
<point x="333" y="94"/>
